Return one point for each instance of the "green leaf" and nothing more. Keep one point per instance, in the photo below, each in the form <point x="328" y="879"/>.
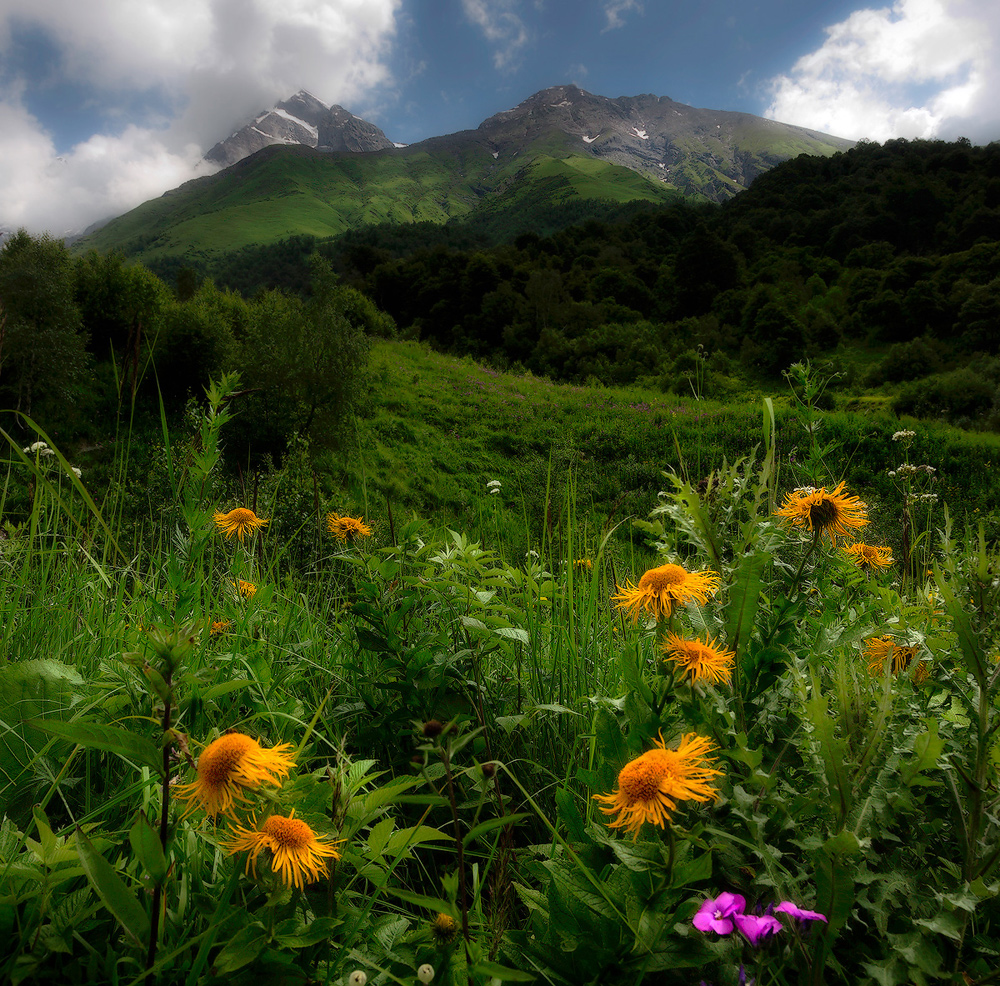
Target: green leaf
<point x="570" y="815"/>
<point x="744" y="598"/>
<point x="138" y="749"/>
<point x="148" y="848"/>
<point x="242" y="949"/>
<point x="513" y="633"/>
<point x="490" y="824"/>
<point x="502" y="972"/>
<point x="114" y="895"/>
<point x="927" y="748"/>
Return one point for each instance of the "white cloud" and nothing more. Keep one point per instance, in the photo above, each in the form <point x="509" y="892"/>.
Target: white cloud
<point x="918" y="69"/>
<point x="216" y="62"/>
<point x="501" y="26"/>
<point x="614" y="9"/>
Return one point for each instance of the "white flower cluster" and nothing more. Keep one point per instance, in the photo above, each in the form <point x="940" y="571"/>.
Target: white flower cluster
<point x="902" y="436"/>
<point x="42" y="451"/>
<point x="805" y="490"/>
<point x="38" y="448"/>
<point x="921" y="498"/>
<point x="904" y="470"/>
<point x="493" y="487"/>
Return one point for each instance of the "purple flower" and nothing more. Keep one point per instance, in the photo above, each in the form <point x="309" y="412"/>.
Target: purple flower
<point x="787" y="907"/>
<point x="756" y="929"/>
<point x="715" y="915"/>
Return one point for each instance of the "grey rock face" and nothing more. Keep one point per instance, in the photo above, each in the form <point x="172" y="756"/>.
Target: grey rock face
<point x="305" y="120"/>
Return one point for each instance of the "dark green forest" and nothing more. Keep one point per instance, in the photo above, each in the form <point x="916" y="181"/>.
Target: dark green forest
<point x="884" y="258"/>
<point x="889" y="253"/>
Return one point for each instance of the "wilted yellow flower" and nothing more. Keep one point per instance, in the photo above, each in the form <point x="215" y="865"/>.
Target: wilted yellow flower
<point x="833" y="513"/>
<point x="584" y="563"/>
<point x="238" y="522"/>
<point x="880" y="649"/>
<point x="298" y="855"/>
<point x="444" y="929"/>
<point x="650" y="786"/>
<point x="220" y="626"/>
<point x="246" y="589"/>
<point x="228" y="765"/>
<point x="868" y="557"/>
<point x="347" y="528"/>
<point x="659" y="588"/>
<point x="700" y="660"/>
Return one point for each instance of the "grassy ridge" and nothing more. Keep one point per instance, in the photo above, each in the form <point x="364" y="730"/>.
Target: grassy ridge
<point x="438" y="428"/>
<point x="281" y="192"/>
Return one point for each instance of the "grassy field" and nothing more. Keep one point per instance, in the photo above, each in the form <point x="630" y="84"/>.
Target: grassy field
<point x="635" y="717"/>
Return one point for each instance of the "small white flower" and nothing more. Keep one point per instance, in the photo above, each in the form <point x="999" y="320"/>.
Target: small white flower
<point x="425" y="973"/>
<point x="76" y="472"/>
<point x="892" y="473"/>
<point x="39" y="448"/>
<point x="358" y="978"/>
<point x="494" y="482"/>
<point x="900" y="436"/>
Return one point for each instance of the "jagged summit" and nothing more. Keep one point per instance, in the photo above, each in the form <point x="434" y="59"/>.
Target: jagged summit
<point x="656" y="136"/>
<point x="300" y="119"/>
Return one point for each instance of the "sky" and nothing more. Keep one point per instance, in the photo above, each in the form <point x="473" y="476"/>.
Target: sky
<point x="105" y="104"/>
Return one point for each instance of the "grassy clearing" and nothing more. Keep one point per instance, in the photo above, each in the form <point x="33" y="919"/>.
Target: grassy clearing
<point x="424" y="716"/>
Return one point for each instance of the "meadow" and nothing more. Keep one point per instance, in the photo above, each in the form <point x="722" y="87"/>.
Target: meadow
<point x="537" y="683"/>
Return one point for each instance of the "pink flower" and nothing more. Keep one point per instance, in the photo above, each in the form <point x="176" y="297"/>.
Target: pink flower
<point x="715" y="915"/>
<point x="787" y="907"/>
<point x="755" y="929"/>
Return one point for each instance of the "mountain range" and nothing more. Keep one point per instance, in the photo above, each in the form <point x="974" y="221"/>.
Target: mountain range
<point x="304" y="167"/>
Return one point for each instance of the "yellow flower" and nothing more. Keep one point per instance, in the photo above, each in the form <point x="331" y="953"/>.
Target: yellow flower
<point x="868" y="556"/>
<point x="246" y="589"/>
<point x="880" y="649"/>
<point x="659" y="588"/>
<point x="238" y="521"/>
<point x="650" y="786"/>
<point x="835" y="513"/>
<point x="444" y="929"/>
<point x="585" y="563"/>
<point x="228" y="765"/>
<point x="700" y="660"/>
<point x="220" y="626"/>
<point x="347" y="528"/>
<point x="298" y="855"/>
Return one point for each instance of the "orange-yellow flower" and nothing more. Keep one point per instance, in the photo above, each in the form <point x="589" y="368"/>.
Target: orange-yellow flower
<point x="220" y="626"/>
<point x="238" y="522"/>
<point x="227" y="766"/>
<point x="444" y="929"/>
<point x="347" y="528"/>
<point x="700" y="660"/>
<point x="650" y="786"/>
<point x="878" y="650"/>
<point x="246" y="589"/>
<point x="298" y="855"/>
<point x="660" y="588"/>
<point x="868" y="557"/>
<point x="833" y="513"/>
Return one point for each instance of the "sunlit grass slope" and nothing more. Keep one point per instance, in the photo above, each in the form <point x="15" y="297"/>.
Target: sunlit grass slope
<point x="285" y="191"/>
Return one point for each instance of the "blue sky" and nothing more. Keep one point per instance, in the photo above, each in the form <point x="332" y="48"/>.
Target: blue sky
<point x="107" y="103"/>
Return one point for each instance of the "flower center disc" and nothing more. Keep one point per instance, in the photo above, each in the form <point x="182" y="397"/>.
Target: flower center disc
<point x="218" y="762"/>
<point x="822" y="513"/>
<point x="640" y="780"/>
<point x="291" y="833"/>
<point x="664" y="577"/>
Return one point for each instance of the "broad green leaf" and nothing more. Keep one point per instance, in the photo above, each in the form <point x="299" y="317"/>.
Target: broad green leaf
<point x="502" y="972"/>
<point x="148" y="848"/>
<point x="489" y="825"/>
<point x="744" y="598"/>
<point x="114" y="894"/>
<point x="138" y="749"/>
<point x="242" y="949"/>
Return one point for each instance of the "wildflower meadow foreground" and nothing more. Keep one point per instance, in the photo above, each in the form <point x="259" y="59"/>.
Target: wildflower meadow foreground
<point x="741" y="740"/>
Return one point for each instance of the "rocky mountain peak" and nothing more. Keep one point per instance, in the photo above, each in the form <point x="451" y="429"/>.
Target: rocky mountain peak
<point x="300" y="119"/>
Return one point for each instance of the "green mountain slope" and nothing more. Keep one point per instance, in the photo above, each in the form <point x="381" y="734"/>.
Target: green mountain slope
<point x="284" y="191"/>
